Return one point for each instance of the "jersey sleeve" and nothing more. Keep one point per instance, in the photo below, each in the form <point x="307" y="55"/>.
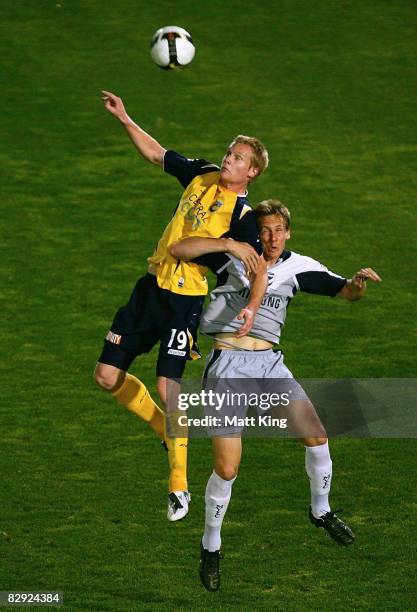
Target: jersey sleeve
<point x="185" y="169"/>
<point x="213" y="261"/>
<point x="244" y="230"/>
<point x="317" y="279"/>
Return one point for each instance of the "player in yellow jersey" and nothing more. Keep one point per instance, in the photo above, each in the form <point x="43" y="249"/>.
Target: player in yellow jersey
<point x="165" y="304"/>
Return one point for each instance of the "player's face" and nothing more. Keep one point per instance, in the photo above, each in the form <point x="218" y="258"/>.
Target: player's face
<point x="273" y="233"/>
<point x="236" y="169"/>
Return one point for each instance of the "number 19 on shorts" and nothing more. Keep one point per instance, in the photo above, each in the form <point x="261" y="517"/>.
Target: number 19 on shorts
<point x="178" y="342"/>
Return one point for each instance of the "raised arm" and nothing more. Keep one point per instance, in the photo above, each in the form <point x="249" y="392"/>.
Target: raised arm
<point x="190" y="248"/>
<point x="147" y="146"/>
<point x="356" y="286"/>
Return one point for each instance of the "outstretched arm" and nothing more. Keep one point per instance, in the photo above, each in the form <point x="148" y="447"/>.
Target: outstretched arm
<point x="190" y="248"/>
<point x="147" y="146"/>
<point x="356" y="286"/>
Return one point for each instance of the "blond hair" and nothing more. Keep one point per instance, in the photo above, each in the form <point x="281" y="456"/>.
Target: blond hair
<point x="260" y="158"/>
<point x="273" y="207"/>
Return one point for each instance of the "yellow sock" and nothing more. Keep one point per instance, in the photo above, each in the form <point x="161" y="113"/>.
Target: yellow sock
<point x="177" y="454"/>
<point x="177" y="457"/>
<point x="134" y="396"/>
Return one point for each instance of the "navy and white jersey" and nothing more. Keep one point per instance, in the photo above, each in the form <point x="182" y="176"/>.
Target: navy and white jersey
<point x="292" y="272"/>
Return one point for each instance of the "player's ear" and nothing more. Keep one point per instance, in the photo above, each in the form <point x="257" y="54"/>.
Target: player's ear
<point x="288" y="234"/>
<point x="253" y="173"/>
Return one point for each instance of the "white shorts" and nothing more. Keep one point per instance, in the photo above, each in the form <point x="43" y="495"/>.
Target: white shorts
<point x="246" y="364"/>
<point x="257" y="383"/>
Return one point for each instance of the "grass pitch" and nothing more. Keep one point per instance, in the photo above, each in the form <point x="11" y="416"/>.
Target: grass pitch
<point x="328" y="86"/>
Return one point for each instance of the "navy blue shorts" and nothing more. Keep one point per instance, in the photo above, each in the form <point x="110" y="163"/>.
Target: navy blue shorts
<point x="154" y="315"/>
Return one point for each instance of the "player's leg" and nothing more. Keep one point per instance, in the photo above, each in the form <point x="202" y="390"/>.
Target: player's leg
<point x="304" y="422"/>
<point x="108" y="377"/>
<point x="319" y="470"/>
<point x="318" y="465"/>
<point x="131" y="393"/>
<point x="227" y="454"/>
<point x="176" y="440"/>
<point x="177" y="345"/>
<point x="132" y="333"/>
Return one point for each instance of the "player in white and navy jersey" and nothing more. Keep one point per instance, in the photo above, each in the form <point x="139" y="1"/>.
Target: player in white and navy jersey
<point x="165" y="304"/>
<point x="252" y="356"/>
<point x="290" y="273"/>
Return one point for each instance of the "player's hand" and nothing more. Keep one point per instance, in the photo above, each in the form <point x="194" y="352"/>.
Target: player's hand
<point x="246" y="315"/>
<point x="360" y="278"/>
<point x="114" y="104"/>
<point x="247" y="255"/>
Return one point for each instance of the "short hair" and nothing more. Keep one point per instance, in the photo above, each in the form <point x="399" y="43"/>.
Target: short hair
<point x="260" y="157"/>
<point x="273" y="207"/>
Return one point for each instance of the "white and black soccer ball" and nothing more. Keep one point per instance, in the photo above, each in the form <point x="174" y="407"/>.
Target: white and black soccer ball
<point x="172" y="47"/>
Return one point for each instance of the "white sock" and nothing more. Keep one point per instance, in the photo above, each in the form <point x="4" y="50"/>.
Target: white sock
<point x="319" y="471"/>
<point x="218" y="493"/>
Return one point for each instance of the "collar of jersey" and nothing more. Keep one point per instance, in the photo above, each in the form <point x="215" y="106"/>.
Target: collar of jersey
<point x="283" y="257"/>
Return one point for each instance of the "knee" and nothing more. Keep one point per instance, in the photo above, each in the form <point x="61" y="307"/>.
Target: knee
<point x="161" y="387"/>
<point x="227" y="471"/>
<point x="108" y="378"/>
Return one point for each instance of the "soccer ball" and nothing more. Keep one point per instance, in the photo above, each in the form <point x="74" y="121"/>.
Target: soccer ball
<point x="172" y="47"/>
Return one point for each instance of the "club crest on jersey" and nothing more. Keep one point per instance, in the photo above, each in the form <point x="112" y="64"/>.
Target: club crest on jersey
<point x="181" y="281"/>
<point x="217" y="204"/>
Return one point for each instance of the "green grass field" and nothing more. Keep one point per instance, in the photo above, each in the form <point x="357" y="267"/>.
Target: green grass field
<point x="329" y="86"/>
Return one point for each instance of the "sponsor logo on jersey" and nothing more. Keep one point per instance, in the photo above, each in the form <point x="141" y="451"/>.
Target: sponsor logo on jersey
<point x="271" y="301"/>
<point x="114" y="338"/>
<point x="177" y="352"/>
<point x="193" y="210"/>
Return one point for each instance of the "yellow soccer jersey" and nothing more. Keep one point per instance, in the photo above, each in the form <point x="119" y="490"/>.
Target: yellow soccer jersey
<point x="206" y="210"/>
